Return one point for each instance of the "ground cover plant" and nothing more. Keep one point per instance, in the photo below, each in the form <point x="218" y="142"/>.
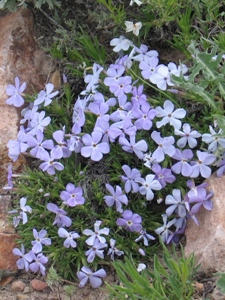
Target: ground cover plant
<point x="106" y="164"/>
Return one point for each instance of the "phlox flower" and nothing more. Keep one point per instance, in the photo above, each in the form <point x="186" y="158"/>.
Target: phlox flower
<point x="122" y="86"/>
<point x="163" y="175"/>
<point x="161" y="78"/>
<point x="40" y="238"/>
<point x="23" y="262"/>
<point x="181" y="69"/>
<point x="39" y="261"/>
<point x="129" y="179"/>
<point x="201" y="165"/>
<point x="70" y="236"/>
<point x="96" y="234"/>
<point x="49" y="165"/>
<point x="149" y="161"/>
<point x="86" y="274"/>
<point x="117" y="197"/>
<point x="138" y="96"/>
<point x="15" y="93"/>
<point x="135" y="27"/>
<point x="144" y="54"/>
<point x="221" y="167"/>
<point x="138" y="148"/>
<point x="121" y="128"/>
<point x="18" y="146"/>
<point x="144" y="115"/>
<point x="145" y="237"/>
<point x="39" y="122"/>
<point x="187" y="136"/>
<point x="9" y="185"/>
<point x="165" y="146"/>
<point x="100" y="110"/>
<point x="147" y="185"/>
<point x="92" y="79"/>
<point x="176" y="204"/>
<point x="141" y="267"/>
<point x="169" y="115"/>
<point x="73" y="196"/>
<point x="182" y="167"/>
<point x="122" y="111"/>
<point x="24" y="209"/>
<point x="130" y="220"/>
<point x="202" y="199"/>
<point x="148" y="66"/>
<point x="164" y="230"/>
<point x="121" y="43"/>
<point x="92" y="148"/>
<point x="61" y="148"/>
<point x="61" y="219"/>
<point x="113" y="250"/>
<point x="46" y="96"/>
<point x="113" y="75"/>
<point x="38" y="145"/>
<point x="213" y="140"/>
<point x="96" y="249"/>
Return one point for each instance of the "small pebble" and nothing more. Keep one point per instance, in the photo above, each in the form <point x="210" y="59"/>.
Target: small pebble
<point x="27" y="290"/>
<point x="38" y="285"/>
<point x="22" y="297"/>
<point x="18" y="286"/>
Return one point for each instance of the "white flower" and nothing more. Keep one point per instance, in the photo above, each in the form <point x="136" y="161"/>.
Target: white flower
<point x="213" y="140"/>
<point x="138" y="2"/>
<point x="148" y="184"/>
<point x="141" y="267"/>
<point x="130" y="26"/>
<point x="170" y="116"/>
<point x="120" y="43"/>
<point x="96" y="234"/>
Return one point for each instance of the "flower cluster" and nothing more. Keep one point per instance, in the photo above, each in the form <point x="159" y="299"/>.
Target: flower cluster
<point x="164" y="149"/>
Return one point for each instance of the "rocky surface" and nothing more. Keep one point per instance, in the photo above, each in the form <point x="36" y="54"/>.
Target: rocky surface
<point x="19" y="56"/>
<point x="207" y="240"/>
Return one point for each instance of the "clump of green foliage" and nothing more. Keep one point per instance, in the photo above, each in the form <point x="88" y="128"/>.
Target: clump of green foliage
<point x="171" y="278"/>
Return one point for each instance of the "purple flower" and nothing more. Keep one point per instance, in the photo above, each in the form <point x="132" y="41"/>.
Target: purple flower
<point x="221" y="167"/>
<point x="202" y="199"/>
<point x="70" y="236"/>
<point x="92" y="147"/>
<point x="138" y="96"/>
<point x="24" y="209"/>
<point x="148" y="67"/>
<point x="123" y="86"/>
<point x="145" y="237"/>
<point x="92" y="79"/>
<point x="138" y="148"/>
<point x="96" y="235"/>
<point x="117" y="196"/>
<point x="113" y="75"/>
<point x="144" y="115"/>
<point x="176" y="204"/>
<point x="169" y="115"/>
<point x="86" y="274"/>
<point x="144" y="54"/>
<point x="9" y="185"/>
<point x="39" y="122"/>
<point x="113" y="250"/>
<point x="15" y="93"/>
<point x="129" y="179"/>
<point x="73" y="196"/>
<point x="50" y="165"/>
<point x="61" y="219"/>
<point x="163" y="175"/>
<point x="201" y="166"/>
<point x="39" y="240"/>
<point x="37" y="145"/>
<point x="61" y="149"/>
<point x="96" y="249"/>
<point x="18" y="146"/>
<point x="130" y="220"/>
<point x="164" y="230"/>
<point x="78" y="120"/>
<point x="148" y="184"/>
<point x="100" y="110"/>
<point x="39" y="261"/>
<point x="182" y="166"/>
<point x="121" y="128"/>
<point x="23" y="262"/>
<point x="161" y="78"/>
<point x="187" y="136"/>
<point x="165" y="146"/>
<point x="46" y="96"/>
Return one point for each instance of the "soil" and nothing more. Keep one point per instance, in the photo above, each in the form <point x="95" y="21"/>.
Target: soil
<point x="46" y="23"/>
